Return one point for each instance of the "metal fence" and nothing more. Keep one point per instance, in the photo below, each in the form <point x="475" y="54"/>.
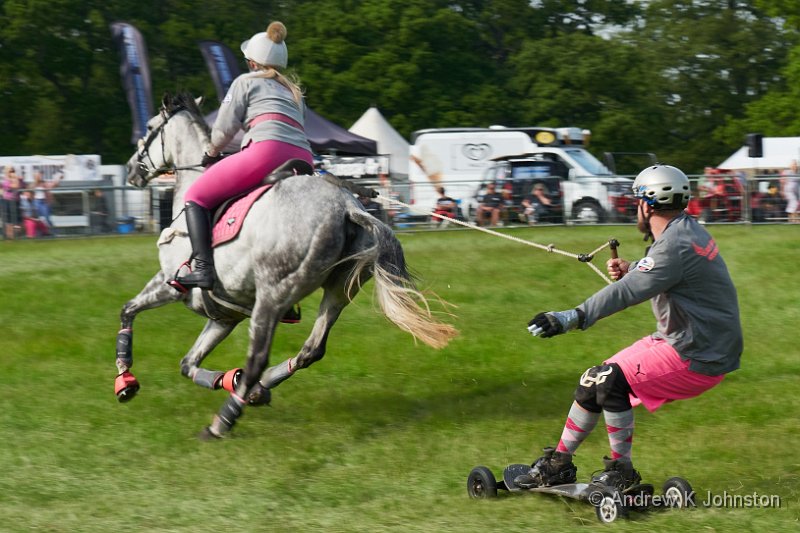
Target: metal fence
<point x="86" y="210"/>
<point x="90" y="210"/>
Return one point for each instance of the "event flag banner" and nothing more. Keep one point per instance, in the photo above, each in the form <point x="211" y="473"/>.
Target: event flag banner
<point x="135" y="72"/>
<point x="222" y="64"/>
<point x="54" y="167"/>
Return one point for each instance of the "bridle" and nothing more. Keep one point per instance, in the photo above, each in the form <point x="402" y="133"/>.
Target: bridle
<point x="145" y="166"/>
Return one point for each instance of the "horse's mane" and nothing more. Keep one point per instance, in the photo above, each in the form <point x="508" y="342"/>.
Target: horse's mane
<point x="185" y="100"/>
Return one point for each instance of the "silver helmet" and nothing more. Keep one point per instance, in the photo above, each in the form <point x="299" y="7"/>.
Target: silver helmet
<point x="662" y="187"/>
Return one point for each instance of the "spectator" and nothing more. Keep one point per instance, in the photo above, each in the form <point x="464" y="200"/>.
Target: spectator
<point x="34" y="225"/>
<point x="537" y="204"/>
<point x="98" y="212"/>
<point x="446" y="207"/>
<point x="789" y="189"/>
<point x="12" y="216"/>
<point x="43" y="197"/>
<point x="491" y="206"/>
<point x="773" y="202"/>
<point x="372" y="207"/>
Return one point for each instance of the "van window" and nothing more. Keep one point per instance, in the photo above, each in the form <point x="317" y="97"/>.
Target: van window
<point x="588" y="161"/>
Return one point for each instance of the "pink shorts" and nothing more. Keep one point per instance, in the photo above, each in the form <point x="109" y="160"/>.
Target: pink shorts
<point x="242" y="171"/>
<point x="658" y="375"/>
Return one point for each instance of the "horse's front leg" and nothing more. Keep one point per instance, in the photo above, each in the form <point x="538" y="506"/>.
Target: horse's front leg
<point x="155" y="294"/>
<point x="214" y="332"/>
<point x="263" y="323"/>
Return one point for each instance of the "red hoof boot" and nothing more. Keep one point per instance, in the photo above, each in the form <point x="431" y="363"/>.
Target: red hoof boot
<point x="126" y="386"/>
<point x="231" y="379"/>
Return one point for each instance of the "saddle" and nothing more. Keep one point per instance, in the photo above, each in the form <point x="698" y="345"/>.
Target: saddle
<point x="229" y="216"/>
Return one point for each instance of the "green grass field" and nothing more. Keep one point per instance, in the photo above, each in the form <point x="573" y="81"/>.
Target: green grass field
<point x="382" y="433"/>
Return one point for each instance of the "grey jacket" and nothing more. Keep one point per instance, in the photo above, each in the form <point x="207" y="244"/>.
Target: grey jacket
<point x="692" y="294"/>
<point x="249" y="96"/>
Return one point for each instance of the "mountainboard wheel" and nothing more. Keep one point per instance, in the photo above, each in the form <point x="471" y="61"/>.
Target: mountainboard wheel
<point x="481" y="483"/>
<point x="678" y="493"/>
<point x="609" y="507"/>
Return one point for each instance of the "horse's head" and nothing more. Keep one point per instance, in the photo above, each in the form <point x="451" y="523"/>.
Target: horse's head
<point x="154" y="155"/>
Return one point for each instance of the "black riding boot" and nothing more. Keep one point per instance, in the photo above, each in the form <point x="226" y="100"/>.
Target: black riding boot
<point x="198" y="220"/>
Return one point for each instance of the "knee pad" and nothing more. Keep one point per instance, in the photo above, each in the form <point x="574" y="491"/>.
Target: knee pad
<point x="603" y="387"/>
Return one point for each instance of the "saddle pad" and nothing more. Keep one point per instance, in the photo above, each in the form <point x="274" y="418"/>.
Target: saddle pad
<point x="230" y="222"/>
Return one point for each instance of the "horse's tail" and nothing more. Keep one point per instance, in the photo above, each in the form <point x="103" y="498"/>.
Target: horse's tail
<point x="397" y="295"/>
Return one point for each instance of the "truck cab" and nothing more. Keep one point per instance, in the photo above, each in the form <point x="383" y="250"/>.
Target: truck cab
<point x="588" y="192"/>
<point x="463" y="160"/>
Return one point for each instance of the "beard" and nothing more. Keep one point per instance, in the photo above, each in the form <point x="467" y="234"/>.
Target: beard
<point x="642" y="225"/>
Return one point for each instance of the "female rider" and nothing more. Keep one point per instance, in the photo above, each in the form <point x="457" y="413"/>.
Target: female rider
<point x="269" y="107"/>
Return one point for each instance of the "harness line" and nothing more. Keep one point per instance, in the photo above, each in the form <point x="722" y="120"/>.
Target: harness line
<point x="550" y="248"/>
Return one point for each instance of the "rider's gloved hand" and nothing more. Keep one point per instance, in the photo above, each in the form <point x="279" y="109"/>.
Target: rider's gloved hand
<point x="554" y="323"/>
<point x="209" y="160"/>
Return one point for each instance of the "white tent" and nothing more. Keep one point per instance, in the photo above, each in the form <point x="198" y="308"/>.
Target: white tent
<point x="778" y="154"/>
<point x="373" y="125"/>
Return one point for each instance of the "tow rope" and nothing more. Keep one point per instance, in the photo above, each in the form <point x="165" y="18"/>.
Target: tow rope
<point x="550" y="248"/>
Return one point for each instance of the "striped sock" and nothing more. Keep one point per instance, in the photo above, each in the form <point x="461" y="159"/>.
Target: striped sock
<point x="580" y="423"/>
<point x="620" y="432"/>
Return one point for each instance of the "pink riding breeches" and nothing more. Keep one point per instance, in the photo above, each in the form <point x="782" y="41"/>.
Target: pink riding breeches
<point x="242" y="171"/>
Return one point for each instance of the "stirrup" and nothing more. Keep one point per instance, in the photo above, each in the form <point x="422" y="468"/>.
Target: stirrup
<point x="179" y="282"/>
<point x="174" y="283"/>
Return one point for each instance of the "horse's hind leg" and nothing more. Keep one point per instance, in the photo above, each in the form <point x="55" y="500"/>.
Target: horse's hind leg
<point x="333" y="302"/>
<point x="214" y="332"/>
<point x="155" y="294"/>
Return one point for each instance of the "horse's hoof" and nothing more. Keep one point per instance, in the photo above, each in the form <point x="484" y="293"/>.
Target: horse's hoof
<point x="259" y="396"/>
<point x="207" y="435"/>
<point x="126" y="386"/>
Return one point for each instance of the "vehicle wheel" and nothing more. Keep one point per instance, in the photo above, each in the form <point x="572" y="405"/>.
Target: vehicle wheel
<point x="609" y="507"/>
<point x="587" y="213"/>
<point x="678" y="493"/>
<point x="481" y="483"/>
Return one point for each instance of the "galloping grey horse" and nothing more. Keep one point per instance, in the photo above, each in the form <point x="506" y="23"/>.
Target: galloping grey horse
<point x="307" y="232"/>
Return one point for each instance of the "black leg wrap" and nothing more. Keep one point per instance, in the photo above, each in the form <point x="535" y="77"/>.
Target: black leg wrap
<point x="125" y="346"/>
<point x="603" y="387"/>
<point x="210" y="379"/>
<point x="231" y="410"/>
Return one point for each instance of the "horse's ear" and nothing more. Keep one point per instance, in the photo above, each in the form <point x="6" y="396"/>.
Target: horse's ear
<point x="166" y="101"/>
<point x="199" y="101"/>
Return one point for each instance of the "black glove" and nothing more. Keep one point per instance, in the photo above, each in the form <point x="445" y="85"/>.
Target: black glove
<point x="209" y="160"/>
<point x="554" y="323"/>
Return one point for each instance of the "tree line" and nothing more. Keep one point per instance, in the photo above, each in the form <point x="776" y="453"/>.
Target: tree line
<point x="685" y="79"/>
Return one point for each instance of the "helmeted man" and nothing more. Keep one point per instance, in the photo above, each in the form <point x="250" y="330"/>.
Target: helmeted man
<point x="698" y="338"/>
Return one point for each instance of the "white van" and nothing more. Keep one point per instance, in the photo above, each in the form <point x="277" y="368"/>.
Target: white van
<point x="458" y="159"/>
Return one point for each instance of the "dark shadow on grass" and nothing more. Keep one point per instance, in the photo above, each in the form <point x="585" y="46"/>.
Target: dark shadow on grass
<point x="522" y="399"/>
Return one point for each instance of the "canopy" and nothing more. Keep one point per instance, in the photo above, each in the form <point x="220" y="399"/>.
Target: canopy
<point x="324" y="136"/>
<point x="373" y="125"/>
<point x="778" y="154"/>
